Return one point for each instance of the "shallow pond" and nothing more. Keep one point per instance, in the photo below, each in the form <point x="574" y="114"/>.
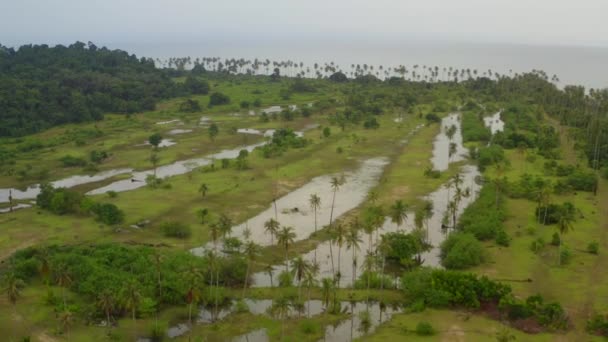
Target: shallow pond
<point x="495" y="123"/>
<point x="293" y="209"/>
<point x="441" y="146"/>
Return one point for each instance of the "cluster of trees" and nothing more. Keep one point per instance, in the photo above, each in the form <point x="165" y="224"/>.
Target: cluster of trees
<point x="118" y="281"/>
<point x="62" y="201"/>
<point x="42" y="86"/>
<point x="444" y="289"/>
<point x="282" y="140"/>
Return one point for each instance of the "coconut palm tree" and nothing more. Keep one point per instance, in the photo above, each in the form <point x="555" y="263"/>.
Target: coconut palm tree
<point x="66" y="320"/>
<point x="157" y="258"/>
<point x="272" y="227"/>
<point x="338" y="236"/>
<point x="398" y="212"/>
<point x="336" y="183"/>
<point x="285" y="237"/>
<point x="310" y="280"/>
<point x="45" y="264"/>
<point x="193" y="295"/>
<point x="368" y="267"/>
<point x="63" y="279"/>
<point x="214" y="231"/>
<point x="300" y="268"/>
<point x="154" y="159"/>
<point x="269" y="270"/>
<point x="315" y="205"/>
<point x="106" y="302"/>
<point x="383" y="250"/>
<point x="327" y="286"/>
<point x="225" y="225"/>
<point x="564" y="225"/>
<point x="131" y="297"/>
<point x="252" y="250"/>
<point x="353" y="242"/>
<point x="280" y="309"/>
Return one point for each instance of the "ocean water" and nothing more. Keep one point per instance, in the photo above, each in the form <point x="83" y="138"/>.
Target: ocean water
<point x="579" y="65"/>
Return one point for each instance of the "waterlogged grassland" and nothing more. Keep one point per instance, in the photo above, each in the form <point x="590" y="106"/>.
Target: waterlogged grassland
<point x="121" y="135"/>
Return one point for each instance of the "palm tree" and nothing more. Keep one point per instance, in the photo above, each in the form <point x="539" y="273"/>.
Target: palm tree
<point x="252" y="250"/>
<point x="383" y="250"/>
<point x="339" y="236"/>
<point x="131" y="297"/>
<point x="285" y="237"/>
<point x="564" y="225"/>
<point x="66" y="319"/>
<point x="300" y="268"/>
<point x="336" y="183"/>
<point x="63" y="279"/>
<point x="225" y="225"/>
<point x="202" y="215"/>
<point x="106" y="303"/>
<point x="157" y="258"/>
<point x="327" y="285"/>
<point x="353" y="242"/>
<point x="193" y="294"/>
<point x="154" y="159"/>
<point x="272" y="227"/>
<point x="45" y="264"/>
<point x="269" y="270"/>
<point x="315" y="204"/>
<point x="203" y="189"/>
<point x="368" y="266"/>
<point x="310" y="280"/>
<point x="398" y="212"/>
<point x="280" y="310"/>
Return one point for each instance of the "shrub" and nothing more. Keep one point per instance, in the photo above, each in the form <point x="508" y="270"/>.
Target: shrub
<point x="598" y="325"/>
<point x="108" y="213"/>
<point x="461" y="250"/>
<point x="112" y="194"/>
<point x="482" y="218"/>
<point x="176" y="230"/>
<point x="326" y="132"/>
<point x="309" y="327"/>
<point x="593" y="248"/>
<point x="473" y="128"/>
<point x="555" y="240"/>
<point x="565" y="256"/>
<point x="425" y="329"/>
<point x="583" y="181"/>
<point x="70" y="161"/>
<point x="285" y="279"/>
<point x="217" y="99"/>
<point x="537" y="245"/>
<point x="502" y="238"/>
<point x="432" y="117"/>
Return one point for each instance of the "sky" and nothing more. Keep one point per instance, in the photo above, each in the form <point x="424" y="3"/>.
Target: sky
<point x="535" y="22"/>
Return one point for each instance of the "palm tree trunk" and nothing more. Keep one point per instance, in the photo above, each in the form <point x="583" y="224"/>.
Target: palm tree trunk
<point x="246" y="278"/>
<point x="382" y="273"/>
<point x="308" y="301"/>
<point x="217" y="289"/>
<point x="339" y="274"/>
<point x="315" y="232"/>
<point x="286" y="259"/>
<point x="354" y="267"/>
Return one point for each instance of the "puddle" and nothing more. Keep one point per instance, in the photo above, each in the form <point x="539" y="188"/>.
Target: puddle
<point x="353" y="327"/>
<point x="177" y="330"/>
<point x="15" y="207"/>
<point x="179" y="131"/>
<point x="175" y="121"/>
<point x="204" y="120"/>
<point x="259" y="335"/>
<point x="441" y="146"/>
<point x="163" y="143"/>
<point x="138" y="179"/>
<point x="495" y="123"/>
<point x="33" y="190"/>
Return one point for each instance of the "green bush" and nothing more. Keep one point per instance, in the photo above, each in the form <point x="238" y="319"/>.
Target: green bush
<point x="461" y="251"/>
<point x="473" y="128"/>
<point x="108" y="213"/>
<point x="593" y="248"/>
<point x="309" y="327"/>
<point x="482" y="218"/>
<point x="425" y="329"/>
<point x="176" y="230"/>
<point x="217" y="99"/>
<point x="70" y="161"/>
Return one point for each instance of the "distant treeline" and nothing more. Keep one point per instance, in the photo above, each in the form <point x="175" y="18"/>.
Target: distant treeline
<point x="42" y="86"/>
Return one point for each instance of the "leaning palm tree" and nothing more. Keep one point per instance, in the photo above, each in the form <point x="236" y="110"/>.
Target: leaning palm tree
<point x="300" y="268"/>
<point x="398" y="212"/>
<point x="353" y="242"/>
<point x="131" y="297"/>
<point x="285" y="237"/>
<point x="272" y="227"/>
<point x="252" y="250"/>
<point x="106" y="302"/>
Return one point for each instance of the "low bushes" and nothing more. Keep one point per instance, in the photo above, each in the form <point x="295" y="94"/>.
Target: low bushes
<point x="461" y="250"/>
<point x="176" y="230"/>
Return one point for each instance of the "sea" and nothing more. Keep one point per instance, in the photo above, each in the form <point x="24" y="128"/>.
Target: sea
<point x="573" y="65"/>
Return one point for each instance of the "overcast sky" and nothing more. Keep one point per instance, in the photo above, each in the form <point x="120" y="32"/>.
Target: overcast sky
<point x="547" y="22"/>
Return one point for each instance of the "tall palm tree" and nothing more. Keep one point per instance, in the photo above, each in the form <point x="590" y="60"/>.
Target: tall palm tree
<point x="252" y="250"/>
<point x="300" y="268"/>
<point x="564" y="225"/>
<point x="383" y="249"/>
<point x="269" y="270"/>
<point x="225" y="225"/>
<point x="398" y="212"/>
<point x="353" y="242"/>
<point x="214" y="231"/>
<point x="368" y="266"/>
<point x="63" y="279"/>
<point x="154" y="159"/>
<point x="280" y="309"/>
<point x="315" y="205"/>
<point x="106" y="302"/>
<point x="327" y="285"/>
<point x="310" y="280"/>
<point x="272" y="227"/>
<point x="45" y="264"/>
<point x="131" y="297"/>
<point x="339" y="236"/>
<point x="157" y="258"/>
<point x="193" y="295"/>
<point x="336" y="183"/>
<point x="66" y="320"/>
<point x="285" y="237"/>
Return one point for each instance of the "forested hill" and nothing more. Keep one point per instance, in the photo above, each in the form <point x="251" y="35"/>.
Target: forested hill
<point x="42" y="86"/>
